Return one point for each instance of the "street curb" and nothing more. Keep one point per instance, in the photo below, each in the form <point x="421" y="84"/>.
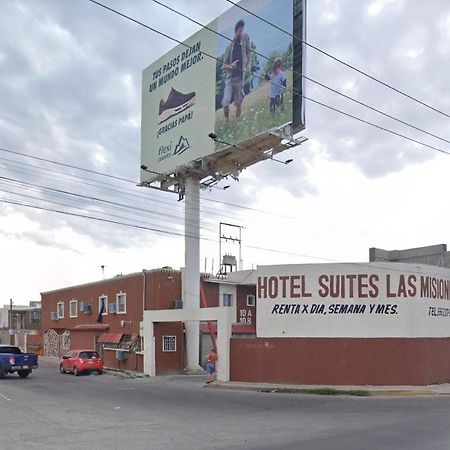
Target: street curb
<point x="124" y="373"/>
<point x="329" y="391"/>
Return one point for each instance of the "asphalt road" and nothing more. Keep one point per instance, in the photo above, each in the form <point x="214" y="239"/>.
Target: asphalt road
<point x="54" y="411"/>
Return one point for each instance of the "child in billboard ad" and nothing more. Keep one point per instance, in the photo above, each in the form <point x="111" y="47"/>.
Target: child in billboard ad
<point x="278" y="84"/>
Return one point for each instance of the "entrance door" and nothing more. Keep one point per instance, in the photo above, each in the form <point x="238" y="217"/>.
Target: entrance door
<point x="169" y="348"/>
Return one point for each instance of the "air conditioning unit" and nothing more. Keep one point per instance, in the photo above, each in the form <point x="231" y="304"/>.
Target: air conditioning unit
<point x="177" y="304"/>
<point x="112" y="308"/>
<point x="54" y="315"/>
<point x="87" y="309"/>
<point x="82" y="304"/>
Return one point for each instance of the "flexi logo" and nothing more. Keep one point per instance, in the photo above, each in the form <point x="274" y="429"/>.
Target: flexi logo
<point x="182" y="146"/>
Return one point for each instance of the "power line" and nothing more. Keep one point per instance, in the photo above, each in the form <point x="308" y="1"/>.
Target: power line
<point x="303" y="96"/>
<point x="213" y="225"/>
<point x="27" y="155"/>
<point x="210" y="212"/>
<point x="156" y="230"/>
<point x="302" y="75"/>
<point x="377" y="126"/>
<point x="78" y="207"/>
<point x="340" y="61"/>
<point x="179" y="234"/>
<point x="99" y="200"/>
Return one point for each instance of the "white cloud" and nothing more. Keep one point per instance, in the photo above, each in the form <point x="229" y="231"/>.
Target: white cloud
<point x="70" y="91"/>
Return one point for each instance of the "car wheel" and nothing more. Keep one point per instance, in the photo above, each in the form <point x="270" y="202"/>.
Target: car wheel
<point x="2" y="373"/>
<point x="75" y="371"/>
<point x="61" y="369"/>
<point x="23" y="373"/>
<point x="100" y="372"/>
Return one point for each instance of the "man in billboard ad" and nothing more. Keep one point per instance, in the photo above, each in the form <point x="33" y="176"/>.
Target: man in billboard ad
<point x="236" y="66"/>
<point x="254" y="70"/>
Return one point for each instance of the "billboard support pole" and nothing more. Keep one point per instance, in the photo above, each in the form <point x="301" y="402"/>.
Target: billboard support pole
<point x="192" y="269"/>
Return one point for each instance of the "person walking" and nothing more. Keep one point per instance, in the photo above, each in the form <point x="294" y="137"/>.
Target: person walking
<point x="211" y="360"/>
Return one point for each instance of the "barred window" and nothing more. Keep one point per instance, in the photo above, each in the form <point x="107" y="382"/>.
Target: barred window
<point x="227" y="300"/>
<point x="73" y="308"/>
<point x="60" y="310"/>
<point x="169" y="344"/>
<point x="121" y="303"/>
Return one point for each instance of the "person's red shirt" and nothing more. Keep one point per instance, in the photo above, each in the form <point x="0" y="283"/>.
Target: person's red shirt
<point x="212" y="357"/>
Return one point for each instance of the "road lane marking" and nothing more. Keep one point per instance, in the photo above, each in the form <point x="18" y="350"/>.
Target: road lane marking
<point x="4" y="397"/>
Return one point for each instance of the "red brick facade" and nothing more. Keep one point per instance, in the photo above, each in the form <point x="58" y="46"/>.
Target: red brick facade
<point x="341" y="361"/>
<point x="155" y="289"/>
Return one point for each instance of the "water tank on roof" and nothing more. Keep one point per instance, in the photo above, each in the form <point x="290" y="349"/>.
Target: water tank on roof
<point x="229" y="260"/>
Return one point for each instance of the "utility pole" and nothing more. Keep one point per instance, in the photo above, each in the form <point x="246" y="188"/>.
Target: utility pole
<point x="10" y="321"/>
<point x="192" y="269"/>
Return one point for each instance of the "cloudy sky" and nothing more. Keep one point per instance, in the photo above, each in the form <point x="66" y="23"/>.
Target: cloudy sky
<point x="70" y="81"/>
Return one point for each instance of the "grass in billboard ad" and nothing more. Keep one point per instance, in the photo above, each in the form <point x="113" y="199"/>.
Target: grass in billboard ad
<point x="256" y="116"/>
<point x="253" y="94"/>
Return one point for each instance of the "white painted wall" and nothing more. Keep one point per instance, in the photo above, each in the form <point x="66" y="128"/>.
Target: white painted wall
<point x="223" y="316"/>
<point x="4" y="317"/>
<point x="229" y="289"/>
<point x="388" y="297"/>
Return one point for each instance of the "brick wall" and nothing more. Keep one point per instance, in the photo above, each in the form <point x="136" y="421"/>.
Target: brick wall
<point x="341" y="361"/>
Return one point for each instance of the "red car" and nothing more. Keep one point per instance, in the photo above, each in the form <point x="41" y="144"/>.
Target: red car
<point x="79" y="361"/>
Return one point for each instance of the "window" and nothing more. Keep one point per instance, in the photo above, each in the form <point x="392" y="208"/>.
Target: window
<point x="88" y="355"/>
<point x="103" y="304"/>
<point x="250" y="300"/>
<point x="60" y="310"/>
<point x="121" y="303"/>
<point x="36" y="315"/>
<point x="227" y="299"/>
<point x="73" y="308"/>
<point x="169" y="344"/>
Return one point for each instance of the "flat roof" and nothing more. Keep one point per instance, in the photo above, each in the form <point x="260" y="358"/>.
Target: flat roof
<point x="107" y="280"/>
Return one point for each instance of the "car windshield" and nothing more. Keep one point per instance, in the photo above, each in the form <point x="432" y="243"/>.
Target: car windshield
<point x="14" y="350"/>
<point x="88" y="355"/>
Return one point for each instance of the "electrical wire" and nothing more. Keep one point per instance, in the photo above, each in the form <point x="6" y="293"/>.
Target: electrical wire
<point x="88" y="183"/>
<point x="302" y="75"/>
<point x="95" y="187"/>
<point x="377" y="126"/>
<point x="180" y="234"/>
<point x="256" y="76"/>
<point x="156" y="230"/>
<point x="340" y="61"/>
<point x="206" y="199"/>
<point x="123" y="206"/>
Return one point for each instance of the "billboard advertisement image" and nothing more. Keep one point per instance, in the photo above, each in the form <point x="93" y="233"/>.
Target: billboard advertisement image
<point x="353" y="300"/>
<point x="235" y="83"/>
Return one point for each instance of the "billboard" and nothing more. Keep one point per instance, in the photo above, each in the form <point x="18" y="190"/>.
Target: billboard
<point x="236" y="82"/>
<point x="379" y="300"/>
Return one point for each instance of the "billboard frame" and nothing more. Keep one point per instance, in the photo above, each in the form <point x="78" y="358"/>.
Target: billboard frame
<point x="228" y="161"/>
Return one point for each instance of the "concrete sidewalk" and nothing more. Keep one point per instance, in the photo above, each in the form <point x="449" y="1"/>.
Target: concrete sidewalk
<point x="438" y="389"/>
